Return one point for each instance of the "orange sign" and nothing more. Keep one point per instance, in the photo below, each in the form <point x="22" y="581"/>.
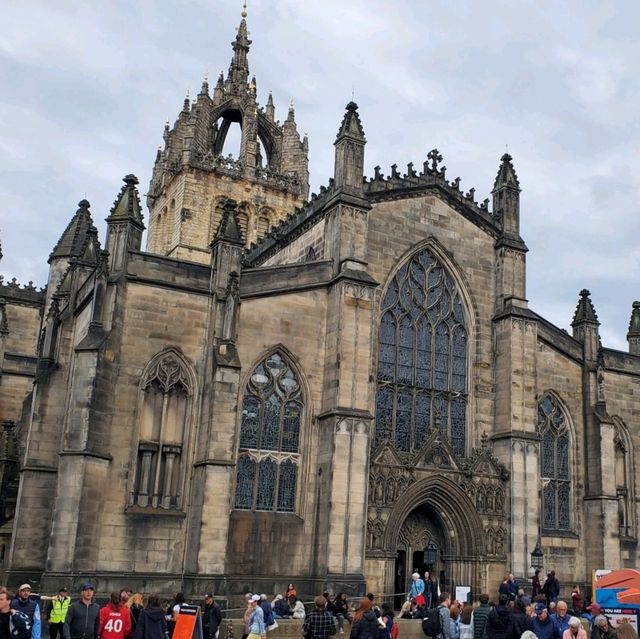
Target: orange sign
<point x="188" y="623"/>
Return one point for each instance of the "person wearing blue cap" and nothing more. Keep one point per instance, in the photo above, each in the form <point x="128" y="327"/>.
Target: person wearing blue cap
<point x="83" y="616"/>
<point x="543" y="625"/>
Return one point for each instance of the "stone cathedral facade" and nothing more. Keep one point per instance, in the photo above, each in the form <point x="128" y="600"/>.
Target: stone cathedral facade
<point x="331" y="389"/>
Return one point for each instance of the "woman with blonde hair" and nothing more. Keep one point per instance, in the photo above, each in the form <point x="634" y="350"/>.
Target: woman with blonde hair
<point x="135" y="603"/>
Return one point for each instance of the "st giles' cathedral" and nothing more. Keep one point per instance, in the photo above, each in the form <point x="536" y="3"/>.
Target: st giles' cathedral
<point x="330" y="390"/>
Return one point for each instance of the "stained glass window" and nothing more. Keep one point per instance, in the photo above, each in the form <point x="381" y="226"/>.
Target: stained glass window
<point x="422" y="361"/>
<point x="556" y="492"/>
<point x="267" y="468"/>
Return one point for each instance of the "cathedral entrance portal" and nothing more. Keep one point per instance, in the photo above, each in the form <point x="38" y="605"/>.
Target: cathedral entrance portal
<point x="421" y="548"/>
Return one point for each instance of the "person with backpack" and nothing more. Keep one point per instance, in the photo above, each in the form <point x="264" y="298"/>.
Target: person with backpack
<point x="436" y="621"/>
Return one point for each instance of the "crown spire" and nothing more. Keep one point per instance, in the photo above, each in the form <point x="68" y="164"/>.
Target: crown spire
<point x="239" y="69"/>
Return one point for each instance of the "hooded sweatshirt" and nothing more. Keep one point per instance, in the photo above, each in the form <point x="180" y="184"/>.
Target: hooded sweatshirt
<point x="499" y="623"/>
<point x="365" y="628"/>
<point x="151" y="624"/>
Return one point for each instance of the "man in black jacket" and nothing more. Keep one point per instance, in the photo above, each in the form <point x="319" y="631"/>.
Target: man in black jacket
<point x="551" y="588"/>
<point x="211" y="617"/>
<point x="479" y="616"/>
<point x="83" y="616"/>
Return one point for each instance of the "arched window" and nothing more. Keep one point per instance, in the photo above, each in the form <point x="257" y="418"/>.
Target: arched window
<point x="166" y="405"/>
<point x="268" y="461"/>
<point x="556" y="482"/>
<point x="624" y="478"/>
<point x="422" y="362"/>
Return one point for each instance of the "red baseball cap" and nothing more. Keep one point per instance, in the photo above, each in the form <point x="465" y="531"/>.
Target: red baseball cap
<point x="594" y="606"/>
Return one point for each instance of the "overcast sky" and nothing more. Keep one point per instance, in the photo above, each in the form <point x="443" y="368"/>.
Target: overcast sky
<point x="88" y="85"/>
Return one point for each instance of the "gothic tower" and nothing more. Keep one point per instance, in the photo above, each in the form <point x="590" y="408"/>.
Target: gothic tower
<point x="192" y="178"/>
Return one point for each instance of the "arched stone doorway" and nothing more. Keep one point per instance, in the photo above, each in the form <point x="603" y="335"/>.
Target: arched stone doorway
<point x="421" y="547"/>
<point x="435" y="510"/>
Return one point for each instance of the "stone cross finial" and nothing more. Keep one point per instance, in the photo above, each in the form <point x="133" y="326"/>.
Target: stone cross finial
<point x="435" y="158"/>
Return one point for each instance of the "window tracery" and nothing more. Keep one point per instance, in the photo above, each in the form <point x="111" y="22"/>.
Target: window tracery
<point x="167" y="390"/>
<point x="556" y="483"/>
<point x="268" y="459"/>
<point x="624" y="478"/>
<point x="422" y="362"/>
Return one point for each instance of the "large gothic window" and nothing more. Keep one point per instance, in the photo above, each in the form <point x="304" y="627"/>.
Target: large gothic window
<point x="422" y="362"/>
<point x="556" y="482"/>
<point x="167" y="391"/>
<point x="268" y="461"/>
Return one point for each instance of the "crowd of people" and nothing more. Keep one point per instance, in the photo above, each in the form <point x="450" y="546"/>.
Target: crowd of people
<point x="516" y="615"/>
<point x="126" y="615"/>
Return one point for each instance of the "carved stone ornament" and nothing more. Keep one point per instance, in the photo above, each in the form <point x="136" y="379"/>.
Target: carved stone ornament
<point x="169" y="374"/>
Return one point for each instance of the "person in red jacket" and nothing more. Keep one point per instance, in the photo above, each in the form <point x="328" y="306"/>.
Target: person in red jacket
<point x="115" y="619"/>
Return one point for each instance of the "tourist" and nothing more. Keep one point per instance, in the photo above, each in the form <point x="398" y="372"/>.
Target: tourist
<point x="444" y="601"/>
<point x="13" y="623"/>
<point x="576" y="600"/>
<point x="297" y="608"/>
<point x="528" y="634"/>
<point x="561" y="616"/>
<point x="267" y="611"/>
<point x="291" y="592"/>
<point x="27" y="604"/>
<point x="536" y="586"/>
<point x="152" y="622"/>
<point x="551" y="588"/>
<point x="340" y="608"/>
<point x="604" y="629"/>
<point x="59" y="606"/>
<point x="543" y="625"/>
<point x="319" y="623"/>
<point x="135" y="605"/>
<point x="499" y="621"/>
<point x="408" y="609"/>
<point x="454" y="620"/>
<point x="256" y="619"/>
<point x="83" y="616"/>
<point x="365" y="622"/>
<point x="575" y="630"/>
<point x="626" y="631"/>
<point x="115" y="618"/>
<point x="417" y="589"/>
<point x="479" y="616"/>
<point x="521" y="620"/>
<point x="503" y="589"/>
<point x="211" y="617"/>
<point x="281" y="609"/>
<point x="465" y="627"/>
<point x="247" y="614"/>
<point x="125" y="593"/>
<point x="513" y="588"/>
<point x="386" y="619"/>
<point x="432" y="586"/>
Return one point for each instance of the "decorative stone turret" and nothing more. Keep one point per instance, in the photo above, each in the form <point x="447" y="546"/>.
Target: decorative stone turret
<point x="349" y="162"/>
<point x="192" y="171"/>
<point x="633" y="336"/>
<point x="510" y="248"/>
<point x="585" y="325"/>
<point x="70" y="245"/>
<point x="124" y="225"/>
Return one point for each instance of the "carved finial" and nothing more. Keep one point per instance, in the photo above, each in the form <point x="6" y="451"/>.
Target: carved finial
<point x="585" y="312"/>
<point x="484" y="439"/>
<point x="435" y="158"/>
<point x="244" y="10"/>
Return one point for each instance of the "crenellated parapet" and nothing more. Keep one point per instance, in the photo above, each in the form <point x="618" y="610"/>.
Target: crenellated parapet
<point x="26" y="294"/>
<point x="432" y="177"/>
